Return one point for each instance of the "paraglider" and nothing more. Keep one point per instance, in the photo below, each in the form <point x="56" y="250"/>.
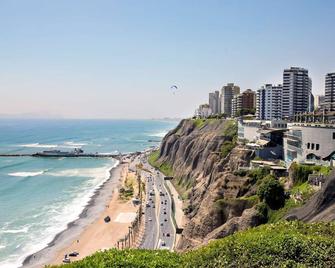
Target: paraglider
<point x="174" y="89"/>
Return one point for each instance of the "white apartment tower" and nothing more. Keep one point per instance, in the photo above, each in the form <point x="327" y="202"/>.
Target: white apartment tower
<point x="269" y="102"/>
<point x="297" y="91"/>
<point x="227" y="94"/>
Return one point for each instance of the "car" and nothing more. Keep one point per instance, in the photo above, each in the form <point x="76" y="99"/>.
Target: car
<point x="162" y="202"/>
<point x="149" y="219"/>
<point x="148" y="205"/>
<point x="161" y="224"/>
<point x="163" y="244"/>
<point x="74" y="254"/>
<point x="165" y="219"/>
<point x="153" y="206"/>
<point x="164" y="212"/>
<point x="66" y="259"/>
<point x="168" y="234"/>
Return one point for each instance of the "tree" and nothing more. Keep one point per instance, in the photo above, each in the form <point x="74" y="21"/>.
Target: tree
<point x="272" y="192"/>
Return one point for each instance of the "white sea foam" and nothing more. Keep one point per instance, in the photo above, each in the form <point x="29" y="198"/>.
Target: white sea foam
<point x="26" y="174"/>
<point x="71" y="144"/>
<point x="61" y="214"/>
<point x="82" y="172"/>
<point x="15" y="231"/>
<point x="38" y="145"/>
<point x="159" y="134"/>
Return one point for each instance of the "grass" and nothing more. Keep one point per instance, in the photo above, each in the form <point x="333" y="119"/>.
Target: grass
<point x="226" y="148"/>
<point x="306" y="191"/>
<point x="230" y="135"/>
<point x="165" y="168"/>
<point x="181" y="186"/>
<point x="284" y="244"/>
<point x="129" y="187"/>
<point x="254" y="199"/>
<point x="230" y="129"/>
<point x="199" y="123"/>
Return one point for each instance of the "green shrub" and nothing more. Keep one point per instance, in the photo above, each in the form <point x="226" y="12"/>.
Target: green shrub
<point x="284" y="244"/>
<point x="272" y="192"/>
<point x="226" y="148"/>
<point x="306" y="192"/>
<point x="299" y="173"/>
<point x="241" y="172"/>
<point x="257" y="174"/>
<point x="230" y="130"/>
<point x="262" y="209"/>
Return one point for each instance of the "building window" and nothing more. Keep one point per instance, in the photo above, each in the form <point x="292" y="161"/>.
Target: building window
<point x="317" y="146"/>
<point x="312" y="146"/>
<point x="308" y="145"/>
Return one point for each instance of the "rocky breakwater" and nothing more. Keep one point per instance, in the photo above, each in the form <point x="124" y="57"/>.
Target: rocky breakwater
<point x="204" y="158"/>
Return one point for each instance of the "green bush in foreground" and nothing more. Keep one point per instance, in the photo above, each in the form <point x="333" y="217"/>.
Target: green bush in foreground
<point x="284" y="244"/>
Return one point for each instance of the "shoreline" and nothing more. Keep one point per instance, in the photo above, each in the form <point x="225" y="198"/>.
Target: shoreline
<point x="90" y="213"/>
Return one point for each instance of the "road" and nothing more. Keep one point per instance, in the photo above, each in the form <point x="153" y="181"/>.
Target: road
<point x="159" y="229"/>
<point x="151" y="223"/>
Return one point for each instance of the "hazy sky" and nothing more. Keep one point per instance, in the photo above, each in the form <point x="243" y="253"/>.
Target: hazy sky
<point x="118" y="59"/>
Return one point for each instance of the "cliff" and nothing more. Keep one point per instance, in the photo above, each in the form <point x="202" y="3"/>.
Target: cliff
<point x="203" y="157"/>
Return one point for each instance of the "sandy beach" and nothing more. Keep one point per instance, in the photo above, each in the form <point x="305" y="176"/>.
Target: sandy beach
<point x="90" y="232"/>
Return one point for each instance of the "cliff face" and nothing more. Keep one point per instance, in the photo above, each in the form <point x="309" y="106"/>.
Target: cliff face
<point x="206" y="178"/>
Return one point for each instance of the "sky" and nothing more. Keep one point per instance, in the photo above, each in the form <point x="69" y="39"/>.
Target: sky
<point x="118" y="59"/>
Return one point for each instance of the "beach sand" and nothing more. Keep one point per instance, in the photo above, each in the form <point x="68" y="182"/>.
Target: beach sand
<point x="90" y="233"/>
<point x="100" y="235"/>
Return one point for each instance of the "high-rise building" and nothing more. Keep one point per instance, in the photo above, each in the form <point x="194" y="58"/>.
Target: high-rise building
<point x="330" y="92"/>
<point x="297" y="90"/>
<point x="269" y="102"/>
<point x="319" y="102"/>
<point x="214" y="102"/>
<point x="244" y="103"/>
<point x="227" y="94"/>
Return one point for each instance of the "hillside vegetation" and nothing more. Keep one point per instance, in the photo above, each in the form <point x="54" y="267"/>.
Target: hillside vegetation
<point x="284" y="244"/>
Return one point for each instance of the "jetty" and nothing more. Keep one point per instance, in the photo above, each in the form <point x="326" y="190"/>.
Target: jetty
<point x="72" y="154"/>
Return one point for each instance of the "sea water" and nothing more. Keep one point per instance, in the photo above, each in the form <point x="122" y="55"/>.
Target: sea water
<point x="40" y="196"/>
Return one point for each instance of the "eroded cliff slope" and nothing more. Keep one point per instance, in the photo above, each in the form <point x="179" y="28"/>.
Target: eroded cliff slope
<point x="203" y="157"/>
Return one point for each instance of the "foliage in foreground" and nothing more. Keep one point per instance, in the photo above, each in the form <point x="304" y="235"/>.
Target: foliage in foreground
<point x="284" y="244"/>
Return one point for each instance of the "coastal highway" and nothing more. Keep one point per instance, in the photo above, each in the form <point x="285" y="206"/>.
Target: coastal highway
<point x="151" y="226"/>
<point x="166" y="228"/>
<point x="159" y="230"/>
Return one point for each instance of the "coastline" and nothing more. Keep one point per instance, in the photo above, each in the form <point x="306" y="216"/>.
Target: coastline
<point x="91" y="212"/>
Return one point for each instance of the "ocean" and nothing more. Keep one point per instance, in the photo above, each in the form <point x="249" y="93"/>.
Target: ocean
<point x="40" y="196"/>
